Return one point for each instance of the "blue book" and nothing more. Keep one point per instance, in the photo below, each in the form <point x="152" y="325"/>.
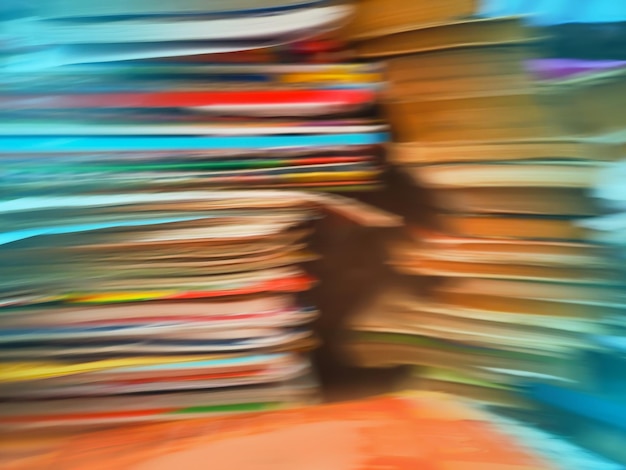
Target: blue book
<point x="159" y="144"/>
<point x="606" y="363"/>
<point x="591" y="420"/>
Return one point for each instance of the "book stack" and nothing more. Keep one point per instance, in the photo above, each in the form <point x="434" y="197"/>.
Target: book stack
<point x="501" y="283"/>
<point x="204" y="105"/>
<point x="186" y="126"/>
<point x="130" y="289"/>
<point x="591" y="411"/>
<point x="154" y="306"/>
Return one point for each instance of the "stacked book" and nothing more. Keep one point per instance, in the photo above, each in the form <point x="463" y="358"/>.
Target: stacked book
<point x="205" y="105"/>
<point x="172" y="126"/>
<point x="591" y="412"/>
<point x="130" y="290"/>
<point x="144" y="306"/>
<point x="501" y="282"/>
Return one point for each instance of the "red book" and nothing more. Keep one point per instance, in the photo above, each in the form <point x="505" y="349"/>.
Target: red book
<point x="178" y="99"/>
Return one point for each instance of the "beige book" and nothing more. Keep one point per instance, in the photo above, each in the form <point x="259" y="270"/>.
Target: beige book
<point x="592" y="104"/>
<point x="560" y="148"/>
<point x="510" y="115"/>
<point x="376" y="18"/>
<point x="446" y="86"/>
<point x="547" y="174"/>
<point x="387" y="354"/>
<point x="470" y="62"/>
<point x="397" y="307"/>
<point x="458" y="71"/>
<point x="437" y="246"/>
<point x="447" y="35"/>
<point x="557" y="321"/>
<point x="580" y="275"/>
<point x="559" y="188"/>
<point x="502" y="304"/>
<point x="440" y="316"/>
<point x="426" y="318"/>
<point x="517" y="200"/>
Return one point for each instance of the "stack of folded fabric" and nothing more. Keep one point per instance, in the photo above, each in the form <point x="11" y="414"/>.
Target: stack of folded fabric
<point x="509" y="284"/>
<point x="128" y="290"/>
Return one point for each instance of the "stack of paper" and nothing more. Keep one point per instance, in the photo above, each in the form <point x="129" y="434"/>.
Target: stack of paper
<point x="130" y="290"/>
<point x="170" y="305"/>
<point x="502" y="284"/>
<point x="175" y="126"/>
<point x="61" y="32"/>
<point x="406" y="431"/>
<point x="185" y="117"/>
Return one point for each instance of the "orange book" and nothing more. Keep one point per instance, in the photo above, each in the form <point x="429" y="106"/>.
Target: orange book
<point x="425" y="431"/>
<point x="516" y="200"/>
<point x="500" y="303"/>
<point x="376" y="18"/>
<point x="532" y="228"/>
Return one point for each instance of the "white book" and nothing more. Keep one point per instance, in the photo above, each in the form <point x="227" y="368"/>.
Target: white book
<point x="51" y="9"/>
<point x="35" y="32"/>
<point x="93" y="129"/>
